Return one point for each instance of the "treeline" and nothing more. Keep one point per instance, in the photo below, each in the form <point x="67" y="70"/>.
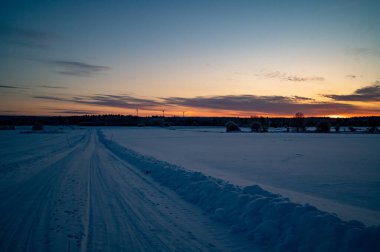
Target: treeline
<point x="297" y="121"/>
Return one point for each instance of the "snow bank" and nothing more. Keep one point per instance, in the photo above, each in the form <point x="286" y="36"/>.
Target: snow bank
<point x="267" y="219"/>
<point x="338" y="173"/>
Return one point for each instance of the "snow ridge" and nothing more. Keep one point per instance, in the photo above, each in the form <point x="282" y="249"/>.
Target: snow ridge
<point x="268" y="219"/>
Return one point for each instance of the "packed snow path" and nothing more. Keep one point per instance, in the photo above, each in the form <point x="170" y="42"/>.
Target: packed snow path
<point x="79" y="196"/>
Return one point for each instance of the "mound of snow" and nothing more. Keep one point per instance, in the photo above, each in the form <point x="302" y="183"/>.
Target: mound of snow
<point x="267" y="219"/>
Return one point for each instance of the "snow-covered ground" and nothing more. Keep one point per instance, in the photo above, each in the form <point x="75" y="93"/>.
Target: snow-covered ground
<point x="68" y="192"/>
<point x="267" y="219"/>
<point x="336" y="172"/>
<point x="153" y="189"/>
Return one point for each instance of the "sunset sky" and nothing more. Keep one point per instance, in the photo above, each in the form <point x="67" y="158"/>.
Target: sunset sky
<point x="220" y="58"/>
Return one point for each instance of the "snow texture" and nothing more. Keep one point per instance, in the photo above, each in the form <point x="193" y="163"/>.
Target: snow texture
<point x="67" y="192"/>
<point x="82" y="190"/>
<point x="338" y="173"/>
<point x="269" y="220"/>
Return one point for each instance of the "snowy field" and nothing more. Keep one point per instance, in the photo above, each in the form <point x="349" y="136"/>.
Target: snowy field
<point x="188" y="189"/>
<point x="339" y="173"/>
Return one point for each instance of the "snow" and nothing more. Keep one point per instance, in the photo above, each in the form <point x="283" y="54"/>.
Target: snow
<point x="117" y="189"/>
<point x="67" y="192"/>
<point x="338" y="173"/>
<point x="269" y="220"/>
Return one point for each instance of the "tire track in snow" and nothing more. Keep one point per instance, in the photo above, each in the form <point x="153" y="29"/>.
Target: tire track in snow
<point x="28" y="211"/>
<point x="18" y="164"/>
<point x="88" y="199"/>
<point x="172" y="223"/>
<point x="145" y="215"/>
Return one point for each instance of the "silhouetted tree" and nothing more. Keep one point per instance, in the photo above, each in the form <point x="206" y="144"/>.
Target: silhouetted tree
<point x="265" y="123"/>
<point x="323" y="126"/>
<point x="299" y="121"/>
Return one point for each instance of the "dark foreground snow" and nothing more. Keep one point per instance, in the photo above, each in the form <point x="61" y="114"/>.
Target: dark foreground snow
<point x="268" y="220"/>
<point x="68" y="192"/>
<point x="80" y="191"/>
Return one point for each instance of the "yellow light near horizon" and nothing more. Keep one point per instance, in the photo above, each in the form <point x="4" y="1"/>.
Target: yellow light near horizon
<point x="336" y="116"/>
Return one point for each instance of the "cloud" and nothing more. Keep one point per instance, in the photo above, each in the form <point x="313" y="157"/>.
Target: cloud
<point x="261" y="104"/>
<point x="52" y="98"/>
<point x="300" y="98"/>
<point x="241" y="104"/>
<point x="53" y="87"/>
<point x="351" y="76"/>
<point x="23" y="87"/>
<point x="8" y="111"/>
<point x="26" y="37"/>
<point x="73" y="111"/>
<point x="12" y="87"/>
<point x="364" y="94"/>
<point x="289" y="77"/>
<point x="75" y="68"/>
<point x="116" y="101"/>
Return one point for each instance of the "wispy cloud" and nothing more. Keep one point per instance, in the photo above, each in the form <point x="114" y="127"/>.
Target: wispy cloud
<point x="75" y="68"/>
<point x="289" y="77"/>
<point x="353" y="76"/>
<point x="73" y="111"/>
<point x="9" y="87"/>
<point x="261" y="104"/>
<point x="26" y="37"/>
<point x="8" y="111"/>
<point x="278" y="105"/>
<point x="116" y="101"/>
<point x="52" y="98"/>
<point x="52" y="87"/>
<point x="12" y="87"/>
<point x="364" y="94"/>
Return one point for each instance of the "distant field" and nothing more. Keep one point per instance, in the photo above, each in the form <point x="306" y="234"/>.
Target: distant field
<point x="336" y="172"/>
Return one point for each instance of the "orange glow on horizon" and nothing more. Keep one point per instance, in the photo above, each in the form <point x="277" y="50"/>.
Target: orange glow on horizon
<point x="218" y="113"/>
<point x="47" y="109"/>
<point x="336" y="116"/>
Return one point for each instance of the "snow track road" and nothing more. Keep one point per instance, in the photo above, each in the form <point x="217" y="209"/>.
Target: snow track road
<point x="83" y="197"/>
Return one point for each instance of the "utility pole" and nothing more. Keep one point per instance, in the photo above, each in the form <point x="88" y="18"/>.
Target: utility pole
<point x="163" y="113"/>
<point x="183" y="113"/>
<point x="137" y="112"/>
